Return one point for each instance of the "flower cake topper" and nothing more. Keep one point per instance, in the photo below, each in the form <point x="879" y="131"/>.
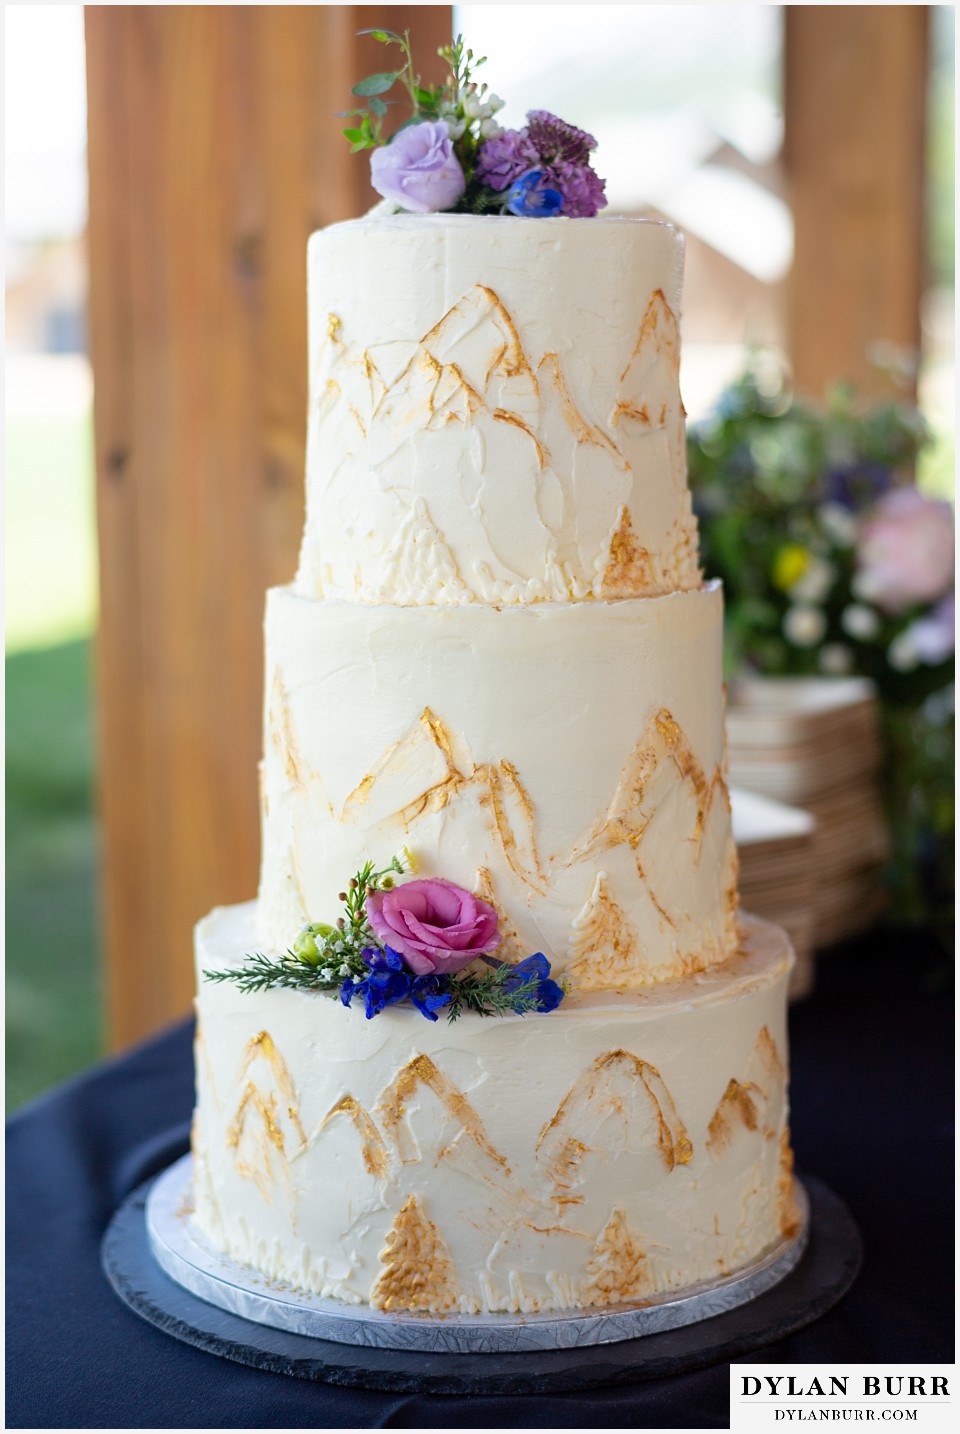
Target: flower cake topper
<point x="452" y="156"/>
<point x="409" y="942"/>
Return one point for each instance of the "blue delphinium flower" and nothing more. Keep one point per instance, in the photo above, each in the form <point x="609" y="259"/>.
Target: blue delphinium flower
<point x="388" y="982"/>
<point x="547" y="994"/>
<point x="530" y="198"/>
<point x="429" y="994"/>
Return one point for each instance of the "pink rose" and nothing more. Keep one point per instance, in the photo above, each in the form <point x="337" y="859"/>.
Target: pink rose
<point x="437" y="928"/>
<point x="418" y="169"/>
<point x="906" y="551"/>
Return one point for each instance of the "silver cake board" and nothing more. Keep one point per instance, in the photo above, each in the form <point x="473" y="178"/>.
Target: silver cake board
<point x="171" y="1277"/>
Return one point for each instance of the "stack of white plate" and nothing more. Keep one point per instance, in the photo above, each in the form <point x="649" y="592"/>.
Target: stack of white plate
<point x="814" y="743"/>
<point x="775" y="845"/>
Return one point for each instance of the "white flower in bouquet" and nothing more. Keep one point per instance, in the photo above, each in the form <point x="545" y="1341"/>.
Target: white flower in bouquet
<point x="835" y="659"/>
<point x="804" y="626"/>
<point x="860" y="621"/>
<point x="815" y="582"/>
<point x="839" y="524"/>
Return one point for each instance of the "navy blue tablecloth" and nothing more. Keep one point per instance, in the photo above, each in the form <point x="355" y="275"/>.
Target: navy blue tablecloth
<point x="872" y="1117"/>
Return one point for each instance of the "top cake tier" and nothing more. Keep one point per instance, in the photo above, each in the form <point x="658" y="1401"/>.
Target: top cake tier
<point x="495" y="412"/>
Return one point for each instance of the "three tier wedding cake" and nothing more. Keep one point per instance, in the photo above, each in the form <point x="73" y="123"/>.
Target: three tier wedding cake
<point x="498" y="657"/>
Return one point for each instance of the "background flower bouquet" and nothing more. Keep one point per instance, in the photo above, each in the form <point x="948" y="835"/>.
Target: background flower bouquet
<point x="834" y="564"/>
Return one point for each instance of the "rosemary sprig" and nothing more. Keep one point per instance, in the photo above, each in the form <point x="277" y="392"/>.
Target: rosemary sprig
<point x="260" y="972"/>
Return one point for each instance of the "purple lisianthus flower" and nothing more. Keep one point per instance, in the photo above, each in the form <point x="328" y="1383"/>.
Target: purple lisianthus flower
<point x="418" y="169"/>
<point x="547" y="994"/>
<point x="503" y="159"/>
<point x="531" y="197"/>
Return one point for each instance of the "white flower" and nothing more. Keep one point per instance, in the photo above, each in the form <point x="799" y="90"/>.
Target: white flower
<point x="472" y="106"/>
<point x="456" y="128"/>
<point x="804" y="626"/>
<point x="835" y="659"/>
<point x="860" y="621"/>
<point x="489" y="129"/>
<point x="344" y="969"/>
<point x="494" y="103"/>
<point x="902" y="653"/>
<point x="815" y="582"/>
<point x="839" y="523"/>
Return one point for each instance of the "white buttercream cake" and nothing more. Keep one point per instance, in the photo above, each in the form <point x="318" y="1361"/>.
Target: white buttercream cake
<point x="499" y="653"/>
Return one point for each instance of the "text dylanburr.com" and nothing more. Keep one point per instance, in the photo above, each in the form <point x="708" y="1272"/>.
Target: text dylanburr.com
<point x="798" y="1396"/>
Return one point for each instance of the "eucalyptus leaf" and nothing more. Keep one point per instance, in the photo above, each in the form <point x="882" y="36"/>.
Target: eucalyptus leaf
<point x="376" y="84"/>
<point x="377" y="106"/>
<point x="386" y="37"/>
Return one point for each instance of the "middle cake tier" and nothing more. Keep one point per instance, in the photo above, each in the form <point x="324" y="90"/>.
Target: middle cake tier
<point x="566" y="762"/>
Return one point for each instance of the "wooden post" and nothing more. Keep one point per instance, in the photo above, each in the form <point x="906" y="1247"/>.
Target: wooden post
<point x="214" y="151"/>
<point x="855" y="88"/>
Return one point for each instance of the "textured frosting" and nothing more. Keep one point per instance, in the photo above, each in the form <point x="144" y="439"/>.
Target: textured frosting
<point x="495" y="413"/>
<point x="614" y="1149"/>
<point x="563" y="760"/>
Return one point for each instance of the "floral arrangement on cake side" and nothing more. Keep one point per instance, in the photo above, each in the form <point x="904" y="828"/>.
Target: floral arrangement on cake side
<point x="450" y="155"/>
<point x="409" y="941"/>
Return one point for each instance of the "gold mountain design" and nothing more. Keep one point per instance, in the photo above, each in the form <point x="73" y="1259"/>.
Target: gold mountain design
<point x="617" y="1271"/>
<point x="471" y="368"/>
<point x="392" y="1107"/>
<point x="661" y="745"/>
<point x="419" y="774"/>
<point x="658" y="338"/>
<point x="417" y="1272"/>
<point x="619" y="1084"/>
<point x="282" y="736"/>
<point x="256" y="1134"/>
<point x="787" y="1203"/>
<point x="603" y="946"/>
<point x="509" y="948"/>
<point x="372" y="1147"/>
<point x="744" y="1104"/>
<point x="629" y="571"/>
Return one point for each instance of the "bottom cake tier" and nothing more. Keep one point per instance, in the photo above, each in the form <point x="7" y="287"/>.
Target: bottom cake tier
<point x="619" y="1147"/>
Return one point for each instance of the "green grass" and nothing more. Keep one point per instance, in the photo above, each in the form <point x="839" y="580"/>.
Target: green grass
<point x="51" y="567"/>
<point x="53" y="977"/>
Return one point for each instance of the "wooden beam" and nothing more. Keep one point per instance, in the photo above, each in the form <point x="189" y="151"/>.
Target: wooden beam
<point x="855" y="87"/>
<point x="214" y="151"/>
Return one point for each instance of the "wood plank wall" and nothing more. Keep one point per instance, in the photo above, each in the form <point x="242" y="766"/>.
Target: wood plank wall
<point x="213" y="152"/>
<point x="855" y="97"/>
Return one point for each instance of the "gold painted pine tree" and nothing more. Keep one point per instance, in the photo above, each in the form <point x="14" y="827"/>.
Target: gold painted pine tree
<point x="417" y="1271"/>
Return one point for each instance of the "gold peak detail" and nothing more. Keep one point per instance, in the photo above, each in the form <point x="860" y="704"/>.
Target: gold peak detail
<point x="262" y="1044"/>
<point x="787" y="1205"/>
<point x="617" y="1271"/>
<point x="282" y="734"/>
<point x="412" y="762"/>
<point x="612" y="1084"/>
<point x="372" y="1147"/>
<point x="629" y="571"/>
<point x="392" y="1107"/>
<point x="603" y="946"/>
<point x="659" y="335"/>
<point x="738" y="1107"/>
<point x="745" y="1103"/>
<point x="509" y="948"/>
<point x="630" y="810"/>
<point x="417" y="1272"/>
